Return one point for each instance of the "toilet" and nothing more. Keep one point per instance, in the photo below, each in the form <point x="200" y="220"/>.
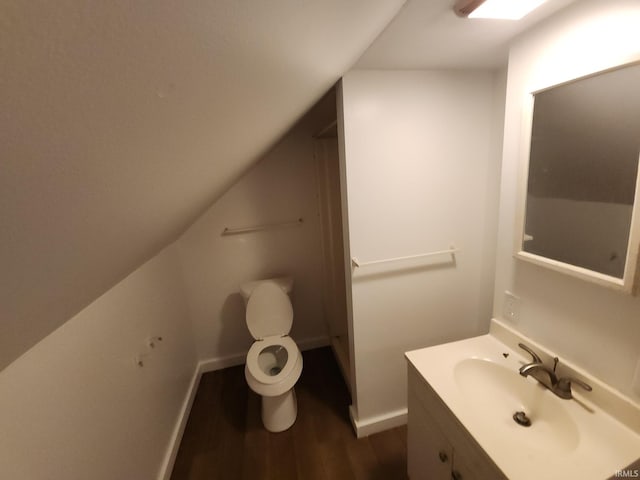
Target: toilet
<point x="274" y="361"/>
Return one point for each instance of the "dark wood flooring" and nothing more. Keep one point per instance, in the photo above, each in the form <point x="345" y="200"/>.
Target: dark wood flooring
<point x="224" y="437"/>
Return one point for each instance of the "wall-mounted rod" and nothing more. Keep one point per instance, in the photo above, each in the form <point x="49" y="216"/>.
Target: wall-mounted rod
<point x="327" y="131"/>
<point x="450" y="251"/>
<point x="257" y="228"/>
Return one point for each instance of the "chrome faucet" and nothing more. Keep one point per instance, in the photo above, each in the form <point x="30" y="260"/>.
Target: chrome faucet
<point x="547" y="376"/>
<point x="534" y="369"/>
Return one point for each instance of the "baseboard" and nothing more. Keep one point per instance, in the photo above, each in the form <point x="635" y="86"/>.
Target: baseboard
<point x="342" y="358"/>
<point x="178" y="430"/>
<point x="218" y="363"/>
<point x="315" y="342"/>
<point x="211" y="365"/>
<point x="379" y="423"/>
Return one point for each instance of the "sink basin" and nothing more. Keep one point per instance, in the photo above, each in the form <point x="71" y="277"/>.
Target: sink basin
<point x="478" y="380"/>
<point x="496" y="393"/>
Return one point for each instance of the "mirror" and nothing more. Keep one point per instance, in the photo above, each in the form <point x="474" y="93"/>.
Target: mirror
<point x="582" y="184"/>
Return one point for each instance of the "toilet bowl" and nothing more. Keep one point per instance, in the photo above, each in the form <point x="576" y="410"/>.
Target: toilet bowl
<point x="274" y="361"/>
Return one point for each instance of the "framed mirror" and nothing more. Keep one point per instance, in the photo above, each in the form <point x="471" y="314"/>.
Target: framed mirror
<point x="580" y="209"/>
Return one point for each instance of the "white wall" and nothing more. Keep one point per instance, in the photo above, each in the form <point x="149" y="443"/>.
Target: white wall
<point x="421" y="156"/>
<point x="122" y="122"/>
<point x="75" y="406"/>
<point x="597" y="329"/>
<point x="282" y="187"/>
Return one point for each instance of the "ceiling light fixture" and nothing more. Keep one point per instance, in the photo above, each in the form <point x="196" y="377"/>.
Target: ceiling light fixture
<point x="498" y="9"/>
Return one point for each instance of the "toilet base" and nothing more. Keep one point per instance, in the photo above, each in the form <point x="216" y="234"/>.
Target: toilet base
<point x="279" y="412"/>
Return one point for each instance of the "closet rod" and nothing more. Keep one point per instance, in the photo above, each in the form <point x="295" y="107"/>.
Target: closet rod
<point x="257" y="228"/>
<point x="325" y="130"/>
<point x="357" y="263"/>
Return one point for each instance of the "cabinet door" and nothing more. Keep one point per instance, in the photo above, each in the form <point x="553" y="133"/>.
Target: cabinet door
<point x="468" y="464"/>
<point x="462" y="471"/>
<point x="429" y="453"/>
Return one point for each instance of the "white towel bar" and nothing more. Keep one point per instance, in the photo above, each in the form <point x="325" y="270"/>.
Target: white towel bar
<point x="357" y="263"/>
<point x="257" y="228"/>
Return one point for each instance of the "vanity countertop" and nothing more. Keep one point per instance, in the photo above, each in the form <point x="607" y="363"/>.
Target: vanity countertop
<point x="478" y="380"/>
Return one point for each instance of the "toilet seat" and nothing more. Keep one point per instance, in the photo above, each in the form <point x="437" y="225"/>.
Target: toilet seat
<point x="269" y="312"/>
<point x="293" y="358"/>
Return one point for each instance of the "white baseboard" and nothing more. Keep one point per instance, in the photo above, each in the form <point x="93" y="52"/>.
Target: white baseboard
<point x="218" y="363"/>
<point x="178" y="430"/>
<point x="311" y="343"/>
<point x="342" y="358"/>
<point x="213" y="364"/>
<point x="379" y="423"/>
<point x="210" y="365"/>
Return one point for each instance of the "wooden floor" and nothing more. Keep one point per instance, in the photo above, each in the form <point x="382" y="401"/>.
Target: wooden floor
<point x="225" y="439"/>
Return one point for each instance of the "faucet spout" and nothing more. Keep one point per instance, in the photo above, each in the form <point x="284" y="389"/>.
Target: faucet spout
<point x="534" y="369"/>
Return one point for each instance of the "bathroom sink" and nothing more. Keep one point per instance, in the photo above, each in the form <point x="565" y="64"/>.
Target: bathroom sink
<point x="496" y="393"/>
<point x="478" y="380"/>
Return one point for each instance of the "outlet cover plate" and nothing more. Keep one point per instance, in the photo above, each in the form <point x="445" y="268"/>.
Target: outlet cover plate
<point x="511" y="307"/>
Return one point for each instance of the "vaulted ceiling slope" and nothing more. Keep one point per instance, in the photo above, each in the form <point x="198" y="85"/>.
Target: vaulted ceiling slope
<point x="121" y="121"/>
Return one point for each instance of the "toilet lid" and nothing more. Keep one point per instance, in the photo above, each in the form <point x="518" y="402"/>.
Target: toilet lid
<point x="269" y="312"/>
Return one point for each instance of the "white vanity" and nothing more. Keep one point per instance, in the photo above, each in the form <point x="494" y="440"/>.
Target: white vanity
<point x="462" y="397"/>
<point x="439" y="446"/>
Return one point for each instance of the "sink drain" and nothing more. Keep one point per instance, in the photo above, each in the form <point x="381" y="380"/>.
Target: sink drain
<point x="522" y="419"/>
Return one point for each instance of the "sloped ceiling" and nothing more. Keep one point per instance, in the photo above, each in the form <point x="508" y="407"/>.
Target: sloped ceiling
<point x="121" y="121"/>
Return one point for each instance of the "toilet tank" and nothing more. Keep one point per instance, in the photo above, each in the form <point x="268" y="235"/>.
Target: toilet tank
<point x="285" y="283"/>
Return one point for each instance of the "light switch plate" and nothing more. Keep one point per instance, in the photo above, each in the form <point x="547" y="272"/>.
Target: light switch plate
<point x="511" y="307"/>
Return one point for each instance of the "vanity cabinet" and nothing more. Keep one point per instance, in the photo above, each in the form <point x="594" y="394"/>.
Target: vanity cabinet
<point x="439" y="447"/>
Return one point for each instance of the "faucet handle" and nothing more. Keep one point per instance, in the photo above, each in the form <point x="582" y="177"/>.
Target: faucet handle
<point x="534" y="355"/>
<point x="563" y="387"/>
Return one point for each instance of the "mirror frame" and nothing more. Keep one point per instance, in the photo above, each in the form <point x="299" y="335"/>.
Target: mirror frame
<point x="630" y="283"/>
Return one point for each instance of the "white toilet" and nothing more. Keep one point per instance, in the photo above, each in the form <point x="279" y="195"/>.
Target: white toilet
<point x="274" y="362"/>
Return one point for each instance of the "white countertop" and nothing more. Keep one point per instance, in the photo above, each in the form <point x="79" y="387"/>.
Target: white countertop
<point x="590" y="444"/>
